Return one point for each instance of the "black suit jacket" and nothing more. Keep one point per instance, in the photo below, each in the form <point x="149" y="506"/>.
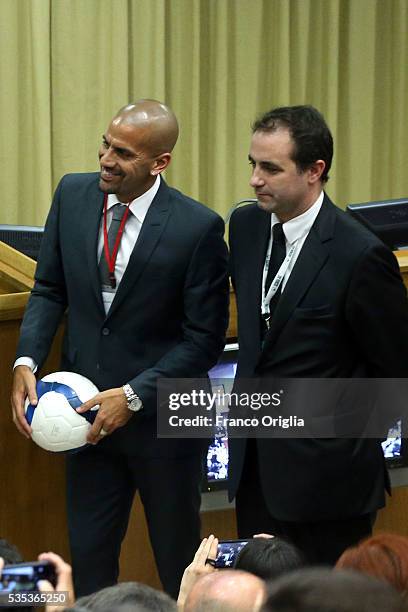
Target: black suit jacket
<point x="168" y="317"/>
<point x="343" y="314"/>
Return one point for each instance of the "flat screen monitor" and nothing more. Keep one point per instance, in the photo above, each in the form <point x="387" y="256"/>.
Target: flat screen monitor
<point x="217" y="457"/>
<point x="223" y="375"/>
<point x="23" y="238"/>
<point x="387" y="219"/>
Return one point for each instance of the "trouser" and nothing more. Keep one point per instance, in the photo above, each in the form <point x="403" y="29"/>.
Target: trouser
<point x="100" y="490"/>
<point x="321" y="542"/>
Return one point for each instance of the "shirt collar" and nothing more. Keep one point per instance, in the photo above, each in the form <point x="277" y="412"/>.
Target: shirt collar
<point x="301" y="225"/>
<point x="139" y="206"/>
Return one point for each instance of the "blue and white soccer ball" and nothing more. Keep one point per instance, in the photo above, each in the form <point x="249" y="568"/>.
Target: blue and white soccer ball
<point x="55" y="423"/>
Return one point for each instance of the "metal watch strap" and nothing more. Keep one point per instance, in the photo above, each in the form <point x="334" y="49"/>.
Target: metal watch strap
<point x="133" y="400"/>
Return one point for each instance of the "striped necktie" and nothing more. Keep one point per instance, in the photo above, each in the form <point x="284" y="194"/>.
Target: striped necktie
<point x="118" y="212"/>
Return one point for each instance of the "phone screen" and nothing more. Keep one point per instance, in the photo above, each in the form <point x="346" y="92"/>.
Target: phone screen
<point x="25" y="576"/>
<point x="228" y="551"/>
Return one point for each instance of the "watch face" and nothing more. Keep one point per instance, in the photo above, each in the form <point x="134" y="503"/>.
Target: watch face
<point x="135" y="404"/>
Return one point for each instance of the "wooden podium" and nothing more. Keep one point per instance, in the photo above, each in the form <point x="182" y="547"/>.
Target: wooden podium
<point x="32" y="506"/>
<point x="402" y="257"/>
<point x="32" y="490"/>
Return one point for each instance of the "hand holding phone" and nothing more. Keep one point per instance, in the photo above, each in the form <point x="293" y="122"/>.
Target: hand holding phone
<point x="200" y="566"/>
<point x="63" y="580"/>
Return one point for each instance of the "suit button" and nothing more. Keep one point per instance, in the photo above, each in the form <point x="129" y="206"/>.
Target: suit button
<point x="105" y="331"/>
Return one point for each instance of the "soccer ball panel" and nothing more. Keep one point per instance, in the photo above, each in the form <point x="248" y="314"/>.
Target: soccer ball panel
<point x="85" y="389"/>
<point x="55" y="423"/>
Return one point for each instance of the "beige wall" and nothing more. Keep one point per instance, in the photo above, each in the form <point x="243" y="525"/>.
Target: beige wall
<point x="68" y="65"/>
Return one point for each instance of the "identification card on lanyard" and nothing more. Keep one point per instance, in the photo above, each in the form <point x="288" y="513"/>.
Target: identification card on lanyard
<point x="111" y="257"/>
<point x="275" y="284"/>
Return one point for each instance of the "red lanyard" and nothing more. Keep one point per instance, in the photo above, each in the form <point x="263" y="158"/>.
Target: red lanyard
<point x="111" y="257"/>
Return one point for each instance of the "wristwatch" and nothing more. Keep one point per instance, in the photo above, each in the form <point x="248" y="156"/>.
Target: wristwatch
<point x="132" y="398"/>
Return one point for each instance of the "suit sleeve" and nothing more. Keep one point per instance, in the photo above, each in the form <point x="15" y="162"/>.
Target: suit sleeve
<point x="206" y="299"/>
<point x="377" y="310"/>
<point x="48" y="299"/>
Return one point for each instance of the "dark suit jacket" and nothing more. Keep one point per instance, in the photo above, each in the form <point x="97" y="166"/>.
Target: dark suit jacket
<point x="343" y="313"/>
<point x="168" y="317"/>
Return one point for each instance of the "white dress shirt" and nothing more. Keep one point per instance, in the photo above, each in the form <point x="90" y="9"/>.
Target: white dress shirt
<point x="296" y="231"/>
<point x="138" y="209"/>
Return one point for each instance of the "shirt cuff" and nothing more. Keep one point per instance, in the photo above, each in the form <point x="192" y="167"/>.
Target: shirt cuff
<point x="27" y="361"/>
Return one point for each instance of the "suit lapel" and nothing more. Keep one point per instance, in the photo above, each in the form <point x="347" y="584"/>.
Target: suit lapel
<point x="311" y="259"/>
<point x="91" y="215"/>
<point x="150" y="233"/>
<point x="262" y="231"/>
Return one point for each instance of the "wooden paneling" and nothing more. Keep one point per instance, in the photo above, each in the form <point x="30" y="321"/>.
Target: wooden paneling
<point x="32" y="506"/>
<point x="232" y="332"/>
<point x="395" y="516"/>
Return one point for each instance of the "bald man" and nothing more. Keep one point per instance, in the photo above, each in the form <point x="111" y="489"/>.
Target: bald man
<point x="226" y="591"/>
<point x="159" y="309"/>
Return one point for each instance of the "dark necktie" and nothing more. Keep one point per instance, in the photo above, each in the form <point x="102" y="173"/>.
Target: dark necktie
<point x="278" y="254"/>
<point x="118" y="212"/>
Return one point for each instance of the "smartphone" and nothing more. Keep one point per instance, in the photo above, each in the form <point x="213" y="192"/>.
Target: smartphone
<point x="25" y="576"/>
<point x="227" y="552"/>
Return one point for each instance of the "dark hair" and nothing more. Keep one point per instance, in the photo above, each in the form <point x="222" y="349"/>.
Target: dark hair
<point x="384" y="556"/>
<point x="309" y="131"/>
<point x="139" y="596"/>
<point x="325" y="590"/>
<point x="268" y="557"/>
<point x="11" y="555"/>
<point x="9" y="552"/>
